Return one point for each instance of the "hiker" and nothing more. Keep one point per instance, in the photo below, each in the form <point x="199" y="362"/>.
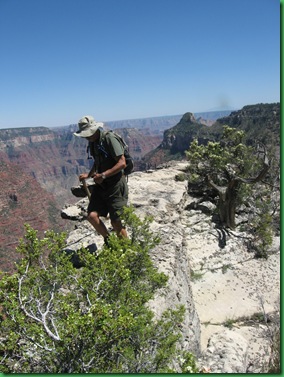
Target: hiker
<point x="110" y="193"/>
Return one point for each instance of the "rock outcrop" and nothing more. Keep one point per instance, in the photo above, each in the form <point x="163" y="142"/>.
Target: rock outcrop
<point x="260" y="122"/>
<point x="224" y="289"/>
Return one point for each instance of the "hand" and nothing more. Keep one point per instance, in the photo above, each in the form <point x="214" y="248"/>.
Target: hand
<point x="83" y="176"/>
<point x="98" y="178"/>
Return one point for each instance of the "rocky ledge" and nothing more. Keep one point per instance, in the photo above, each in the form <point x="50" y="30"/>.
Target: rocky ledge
<point x="224" y="288"/>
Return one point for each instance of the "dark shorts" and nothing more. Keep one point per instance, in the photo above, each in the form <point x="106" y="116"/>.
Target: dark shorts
<point x="109" y="199"/>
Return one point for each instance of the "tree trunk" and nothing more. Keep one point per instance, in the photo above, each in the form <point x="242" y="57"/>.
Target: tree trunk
<point x="227" y="204"/>
<point x="228" y="195"/>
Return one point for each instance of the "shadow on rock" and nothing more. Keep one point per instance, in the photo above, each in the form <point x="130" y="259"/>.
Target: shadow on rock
<point x="74" y="257"/>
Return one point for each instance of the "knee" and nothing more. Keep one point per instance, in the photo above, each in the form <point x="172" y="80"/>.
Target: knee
<point x="93" y="216"/>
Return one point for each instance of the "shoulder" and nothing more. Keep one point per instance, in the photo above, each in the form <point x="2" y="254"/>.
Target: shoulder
<point x="113" y="142"/>
<point x="109" y="135"/>
<point x="110" y="138"/>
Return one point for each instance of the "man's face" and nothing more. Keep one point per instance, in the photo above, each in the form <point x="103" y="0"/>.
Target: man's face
<point x="94" y="137"/>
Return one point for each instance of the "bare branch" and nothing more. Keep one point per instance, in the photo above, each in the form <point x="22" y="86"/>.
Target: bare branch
<point x="258" y="178"/>
<point x="221" y="190"/>
<point x="43" y="320"/>
<point x="86" y="367"/>
<point x="45" y="348"/>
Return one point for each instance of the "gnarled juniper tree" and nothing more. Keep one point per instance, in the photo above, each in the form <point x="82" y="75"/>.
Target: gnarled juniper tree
<point x="227" y="167"/>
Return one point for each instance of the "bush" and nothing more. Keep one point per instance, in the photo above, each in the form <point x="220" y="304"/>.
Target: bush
<point x="262" y="229"/>
<point x="58" y="319"/>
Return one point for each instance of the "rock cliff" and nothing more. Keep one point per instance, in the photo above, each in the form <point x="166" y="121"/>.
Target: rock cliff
<point x="260" y="122"/>
<point x="22" y="200"/>
<point x="224" y="288"/>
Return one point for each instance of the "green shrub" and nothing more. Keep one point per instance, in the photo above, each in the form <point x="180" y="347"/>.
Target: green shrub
<point x="181" y="177"/>
<point x="262" y="230"/>
<point x="59" y="319"/>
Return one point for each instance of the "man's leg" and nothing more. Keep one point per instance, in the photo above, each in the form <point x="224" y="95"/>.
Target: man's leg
<point x="94" y="219"/>
<point x="119" y="229"/>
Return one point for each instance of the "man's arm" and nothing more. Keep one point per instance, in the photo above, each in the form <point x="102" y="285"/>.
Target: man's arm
<point x="91" y="173"/>
<point x="120" y="165"/>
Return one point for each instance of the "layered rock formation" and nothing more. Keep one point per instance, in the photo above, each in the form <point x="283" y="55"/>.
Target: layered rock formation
<point x="44" y="155"/>
<point x="224" y="288"/>
<point x="162" y="123"/>
<point x="22" y="200"/>
<point x="260" y="122"/>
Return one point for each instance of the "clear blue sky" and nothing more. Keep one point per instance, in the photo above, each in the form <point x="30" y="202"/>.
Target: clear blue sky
<point x="126" y="59"/>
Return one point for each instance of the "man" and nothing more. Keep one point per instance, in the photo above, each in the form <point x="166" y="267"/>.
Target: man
<point x="110" y="193"/>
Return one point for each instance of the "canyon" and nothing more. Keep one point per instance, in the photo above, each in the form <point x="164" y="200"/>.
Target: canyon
<point x="231" y="297"/>
<point x="39" y="165"/>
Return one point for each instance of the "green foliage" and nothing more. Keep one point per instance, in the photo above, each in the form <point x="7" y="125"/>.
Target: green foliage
<point x="187" y="363"/>
<point x="58" y="319"/>
<point x="229" y="323"/>
<point x="222" y="160"/>
<point x="262" y="230"/>
<point x="181" y="177"/>
<point x="195" y="275"/>
<point x="225" y="268"/>
<point x="228" y="167"/>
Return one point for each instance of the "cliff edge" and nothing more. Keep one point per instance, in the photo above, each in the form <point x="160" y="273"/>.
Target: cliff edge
<point x="231" y="298"/>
